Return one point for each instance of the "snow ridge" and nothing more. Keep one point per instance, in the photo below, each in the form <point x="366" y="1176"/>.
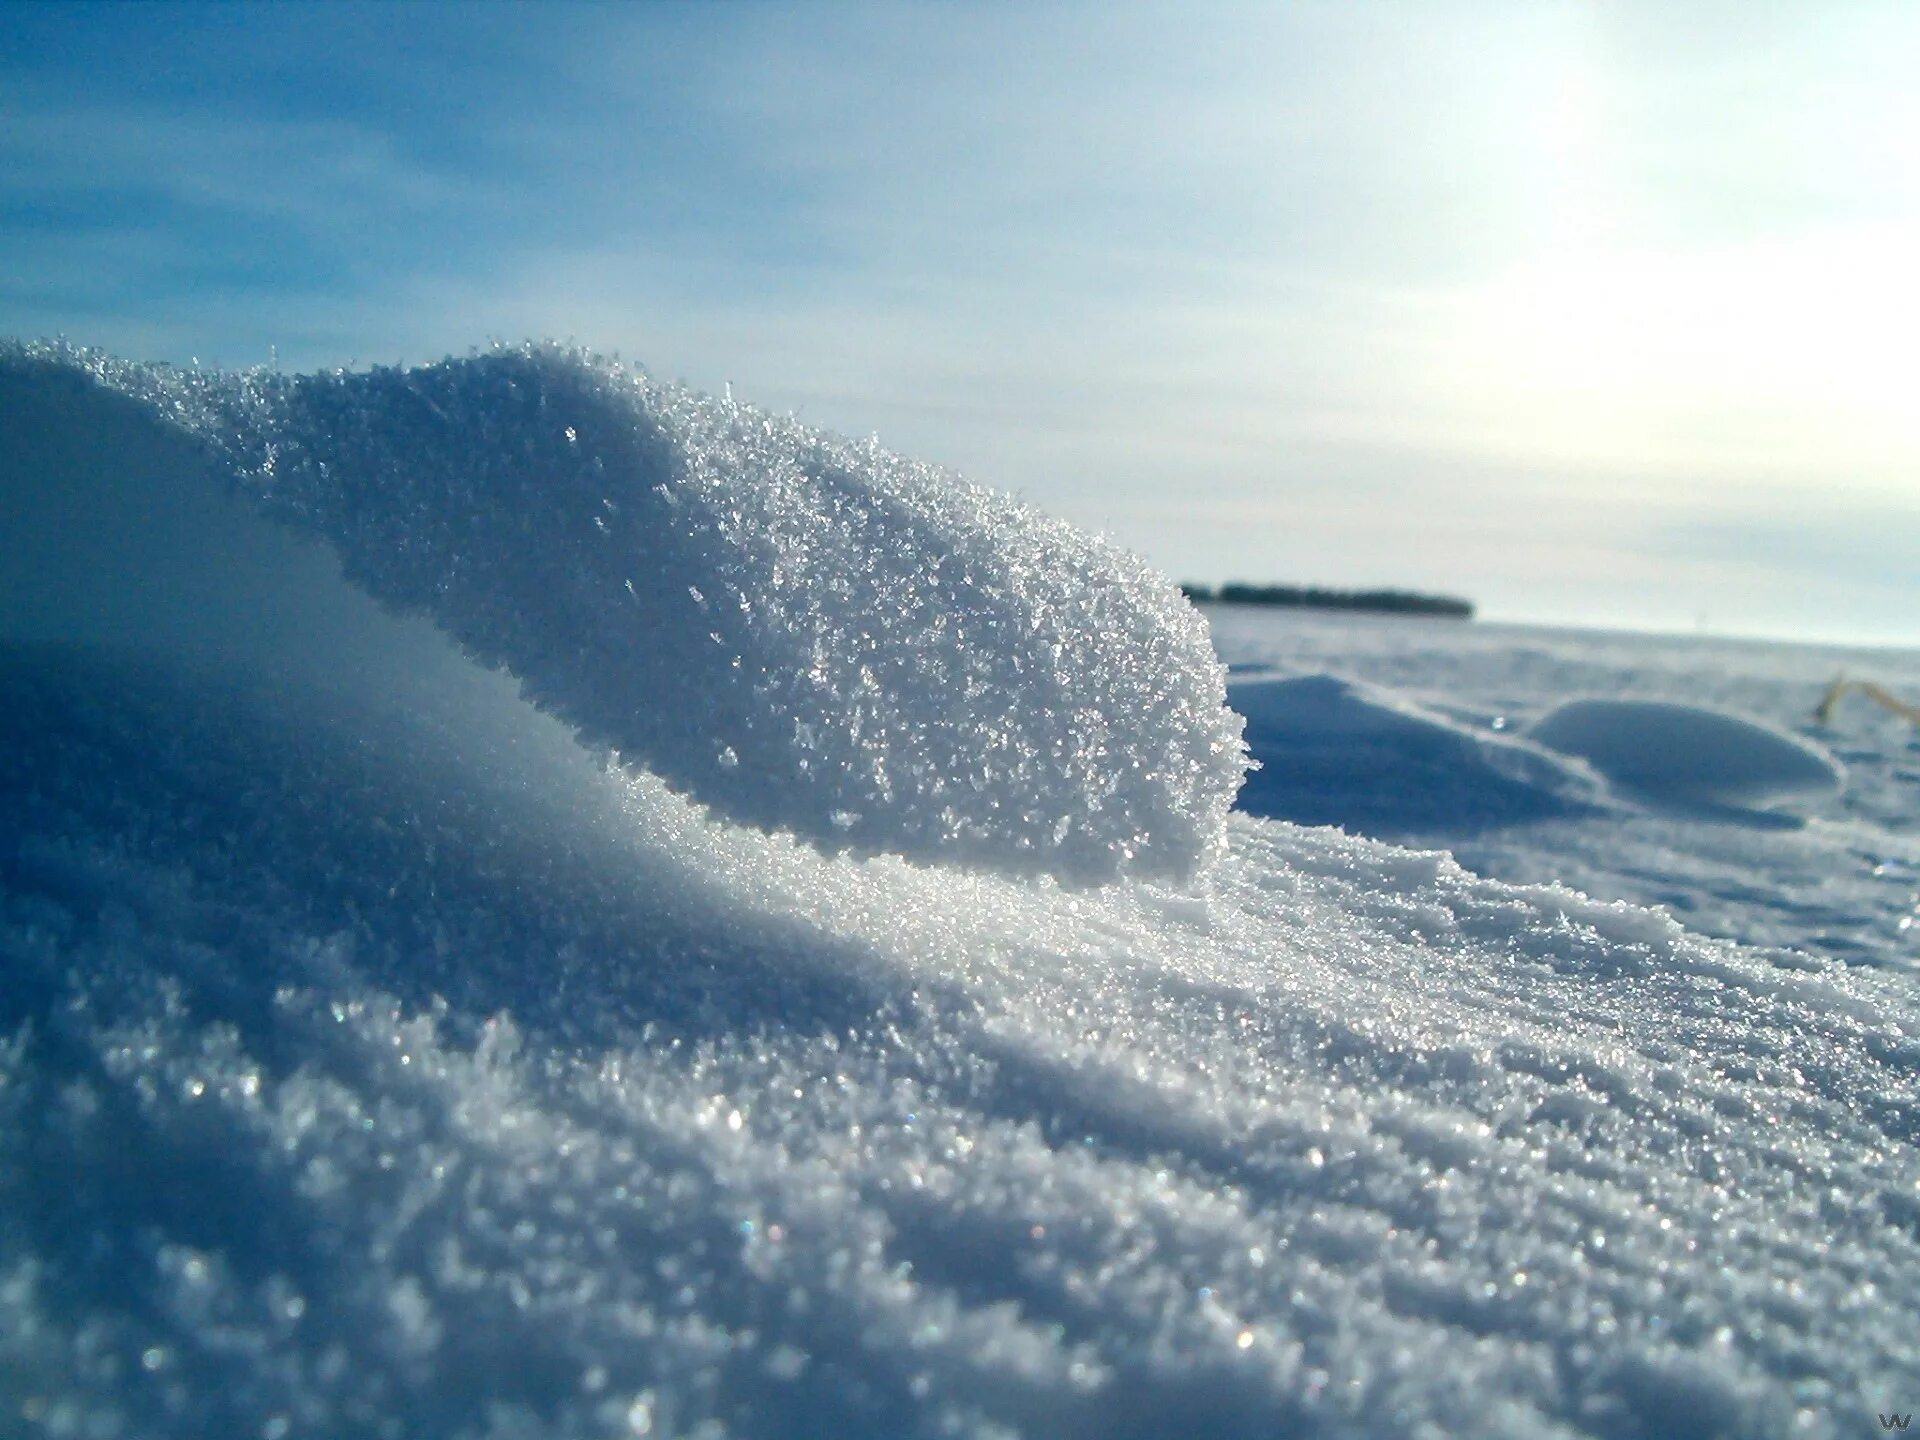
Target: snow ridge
<point x="802" y="632"/>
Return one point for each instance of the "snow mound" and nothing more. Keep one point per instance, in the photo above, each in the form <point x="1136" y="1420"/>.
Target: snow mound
<point x="1334" y="751"/>
<point x="1688" y="753"/>
<point x="801" y="632"/>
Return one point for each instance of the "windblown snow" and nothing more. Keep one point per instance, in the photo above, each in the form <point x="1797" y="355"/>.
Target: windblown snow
<point x="376" y="1059"/>
<point x="799" y="632"/>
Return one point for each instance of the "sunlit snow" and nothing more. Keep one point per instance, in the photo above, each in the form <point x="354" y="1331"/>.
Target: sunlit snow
<point x="376" y="1058"/>
<point x="857" y="647"/>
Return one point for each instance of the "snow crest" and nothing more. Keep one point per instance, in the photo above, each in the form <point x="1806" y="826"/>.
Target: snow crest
<point x="801" y="632"/>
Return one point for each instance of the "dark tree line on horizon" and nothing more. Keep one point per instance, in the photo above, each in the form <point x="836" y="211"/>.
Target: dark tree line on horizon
<point x="1317" y="597"/>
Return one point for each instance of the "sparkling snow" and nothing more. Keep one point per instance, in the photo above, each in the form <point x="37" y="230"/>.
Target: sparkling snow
<point x="375" y="1059"/>
<point x="800" y="632"/>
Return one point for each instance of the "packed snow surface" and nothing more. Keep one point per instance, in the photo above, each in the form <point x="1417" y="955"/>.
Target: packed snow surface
<point x="1688" y="751"/>
<point x="798" y="631"/>
<point x="374" y="1059"/>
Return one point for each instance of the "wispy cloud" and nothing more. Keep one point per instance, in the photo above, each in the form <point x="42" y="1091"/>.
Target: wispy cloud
<point x="1345" y="292"/>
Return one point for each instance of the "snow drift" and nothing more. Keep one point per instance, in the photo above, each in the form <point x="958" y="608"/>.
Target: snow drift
<point x="1688" y="752"/>
<point x="399" y="1069"/>
<point x="1333" y="751"/>
<point x="800" y="632"/>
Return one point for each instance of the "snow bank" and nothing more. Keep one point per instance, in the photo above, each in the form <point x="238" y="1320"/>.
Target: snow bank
<point x="1688" y="753"/>
<point x="1333" y="751"/>
<point x="801" y="632"/>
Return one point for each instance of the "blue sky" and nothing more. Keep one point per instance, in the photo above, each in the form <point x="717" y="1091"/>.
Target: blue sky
<point x="1597" y="313"/>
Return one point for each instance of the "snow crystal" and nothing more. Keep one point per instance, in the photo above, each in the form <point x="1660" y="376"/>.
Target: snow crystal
<point x="801" y="632"/>
<point x="1688" y="752"/>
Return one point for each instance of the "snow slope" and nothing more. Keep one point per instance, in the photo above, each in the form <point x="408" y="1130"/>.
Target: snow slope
<point x="377" y="1060"/>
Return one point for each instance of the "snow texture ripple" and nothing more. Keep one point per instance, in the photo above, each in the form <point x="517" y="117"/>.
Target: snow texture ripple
<point x="800" y="632"/>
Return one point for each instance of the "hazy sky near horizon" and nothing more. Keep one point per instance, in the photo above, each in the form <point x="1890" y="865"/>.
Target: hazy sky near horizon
<point x="1595" y="313"/>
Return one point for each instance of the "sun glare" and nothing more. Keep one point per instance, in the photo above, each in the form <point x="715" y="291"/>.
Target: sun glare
<point x="1802" y="343"/>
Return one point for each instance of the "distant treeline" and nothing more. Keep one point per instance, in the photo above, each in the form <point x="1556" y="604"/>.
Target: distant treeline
<point x="1315" y="597"/>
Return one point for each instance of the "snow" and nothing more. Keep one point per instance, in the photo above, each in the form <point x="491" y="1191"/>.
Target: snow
<point x="375" y="1059"/>
<point x="1832" y="873"/>
<point x="859" y="648"/>
<point x="1343" y="752"/>
<point x="1688" y="752"/>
